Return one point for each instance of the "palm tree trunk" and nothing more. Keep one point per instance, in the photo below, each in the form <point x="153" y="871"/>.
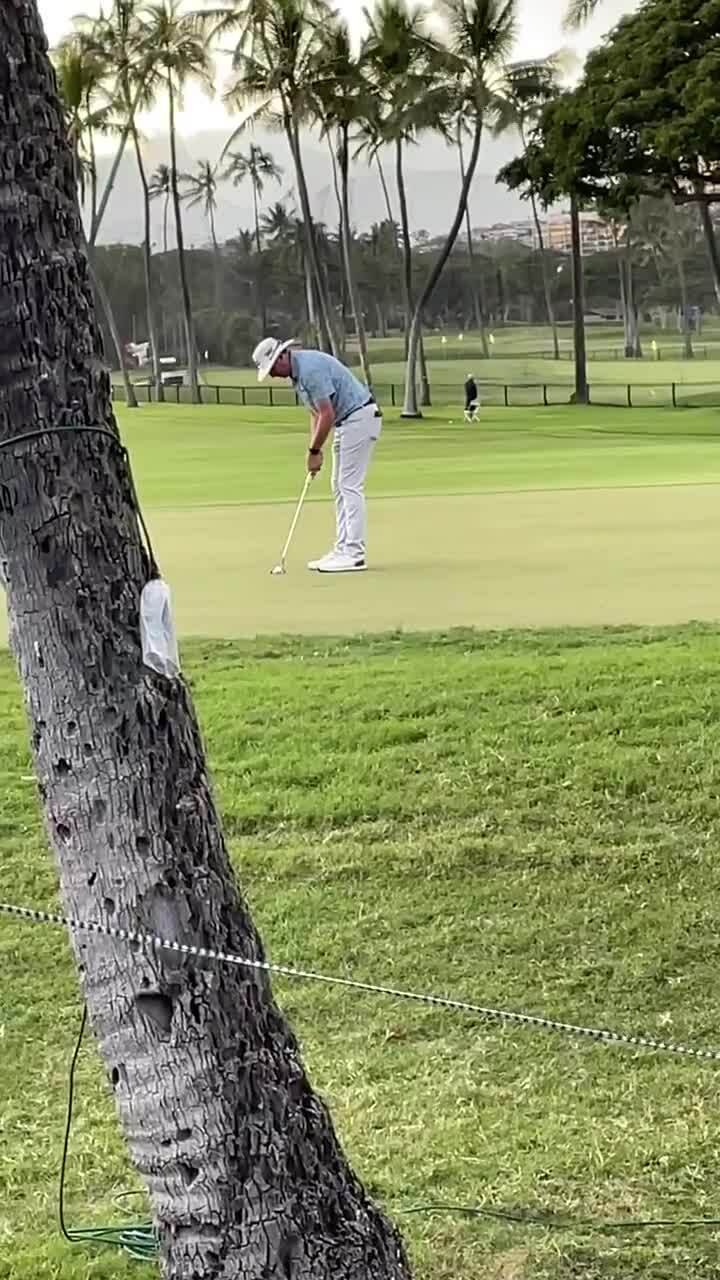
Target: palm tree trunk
<point x="476" y="285"/>
<point x="182" y="265"/>
<point x="712" y="244"/>
<point x="147" y="259"/>
<point x="105" y="303"/>
<point x="623" y="290"/>
<point x="112" y="176"/>
<point x="244" y="1171"/>
<point x="385" y="189"/>
<point x="327" y="319"/>
<point x="345" y="236"/>
<point x="217" y="263"/>
<point x="408" y="274"/>
<point x="410" y="408"/>
<point x="258" y="244"/>
<point x="677" y="252"/>
<point x="547" y="287"/>
<point x="581" y="394"/>
<point x="165" y="222"/>
<point x="633" y="331"/>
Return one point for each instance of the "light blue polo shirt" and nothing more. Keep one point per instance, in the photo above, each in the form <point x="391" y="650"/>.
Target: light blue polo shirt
<point x="318" y="377"/>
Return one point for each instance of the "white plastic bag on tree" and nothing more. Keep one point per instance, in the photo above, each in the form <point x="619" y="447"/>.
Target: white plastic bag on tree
<point x="157" y="630"/>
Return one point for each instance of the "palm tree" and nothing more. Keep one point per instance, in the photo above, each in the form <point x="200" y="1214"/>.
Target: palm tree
<point x="82" y="71"/>
<point x="161" y="185"/>
<point x="526" y="89"/>
<point x="402" y="65"/>
<point x="579" y="12"/>
<point x="479" y="36"/>
<point x="202" y="190"/>
<point x="341" y="91"/>
<point x="273" y="66"/>
<point x="181" y="54"/>
<point x="259" y="167"/>
<point x="119" y="38"/>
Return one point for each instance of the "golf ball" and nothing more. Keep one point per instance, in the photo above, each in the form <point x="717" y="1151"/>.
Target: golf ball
<point x="278" y="571"/>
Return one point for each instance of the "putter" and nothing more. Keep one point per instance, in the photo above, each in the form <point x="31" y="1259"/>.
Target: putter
<point x="280" y="569"/>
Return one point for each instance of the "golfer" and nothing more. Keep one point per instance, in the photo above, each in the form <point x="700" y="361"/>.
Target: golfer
<point x="472" y="399"/>
<point x="338" y="403"/>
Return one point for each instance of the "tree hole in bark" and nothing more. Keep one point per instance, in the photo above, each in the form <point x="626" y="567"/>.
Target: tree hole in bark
<point x="109" y="906"/>
<point x="44" y="546"/>
<point x="88" y="749"/>
<point x="62" y="767"/>
<point x="38" y="734"/>
<point x="116" y="1075"/>
<point x="184" y="1135"/>
<point x="71" y="727"/>
<point x="142" y="844"/>
<point x="156" y="1008"/>
<point x="99" y="809"/>
<point x="188" y="1172"/>
<point x="109" y="715"/>
<point x="92" y="878"/>
<point x="162" y="721"/>
<point x="62" y="832"/>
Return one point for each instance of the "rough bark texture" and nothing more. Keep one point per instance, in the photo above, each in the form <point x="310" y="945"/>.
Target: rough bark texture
<point x="244" y="1171"/>
<point x="581" y="382"/>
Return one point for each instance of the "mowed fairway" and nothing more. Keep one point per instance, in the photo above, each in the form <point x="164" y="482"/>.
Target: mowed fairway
<point x="536" y="517"/>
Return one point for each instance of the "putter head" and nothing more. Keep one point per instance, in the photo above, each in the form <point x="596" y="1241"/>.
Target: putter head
<point x="278" y="571"/>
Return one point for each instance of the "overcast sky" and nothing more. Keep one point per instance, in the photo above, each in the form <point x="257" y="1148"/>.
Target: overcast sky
<point x="539" y="32"/>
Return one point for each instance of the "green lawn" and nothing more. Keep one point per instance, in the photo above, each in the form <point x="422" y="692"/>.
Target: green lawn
<point x="527" y="821"/>
<point x="524" y="818"/>
<point x="531" y="519"/>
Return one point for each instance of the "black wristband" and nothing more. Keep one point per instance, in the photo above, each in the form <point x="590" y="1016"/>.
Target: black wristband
<point x="315" y="453"/>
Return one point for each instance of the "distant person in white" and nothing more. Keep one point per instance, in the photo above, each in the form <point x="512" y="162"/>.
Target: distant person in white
<point x="338" y="402"/>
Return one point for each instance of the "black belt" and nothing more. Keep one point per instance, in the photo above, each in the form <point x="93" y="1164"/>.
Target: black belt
<point x="366" y="405"/>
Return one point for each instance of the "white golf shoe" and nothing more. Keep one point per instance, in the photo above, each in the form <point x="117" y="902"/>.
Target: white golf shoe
<point x="339" y="562"/>
<point x="314" y="565"/>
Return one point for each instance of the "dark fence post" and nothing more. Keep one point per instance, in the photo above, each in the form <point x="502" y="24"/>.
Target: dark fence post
<point x="244" y="397"/>
<point x="177" y="392"/>
<point x="545" y="399"/>
<point x="217" y="394"/>
<point x="629" y="396"/>
<point x="588" y="394"/>
<point x="674" y="395"/>
<point x="392" y="394"/>
<point x="271" y="402"/>
<point x="507" y="401"/>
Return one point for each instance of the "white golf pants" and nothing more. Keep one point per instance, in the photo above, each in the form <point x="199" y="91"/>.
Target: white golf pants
<point x="353" y="446"/>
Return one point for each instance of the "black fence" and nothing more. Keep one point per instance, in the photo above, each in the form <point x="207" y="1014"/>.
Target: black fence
<point x="638" y="395"/>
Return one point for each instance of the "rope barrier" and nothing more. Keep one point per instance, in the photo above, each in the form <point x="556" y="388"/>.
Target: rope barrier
<point x="153" y="943"/>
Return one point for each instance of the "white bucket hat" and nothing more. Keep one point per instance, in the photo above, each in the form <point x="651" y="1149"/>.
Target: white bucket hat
<point x="266" y="353"/>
